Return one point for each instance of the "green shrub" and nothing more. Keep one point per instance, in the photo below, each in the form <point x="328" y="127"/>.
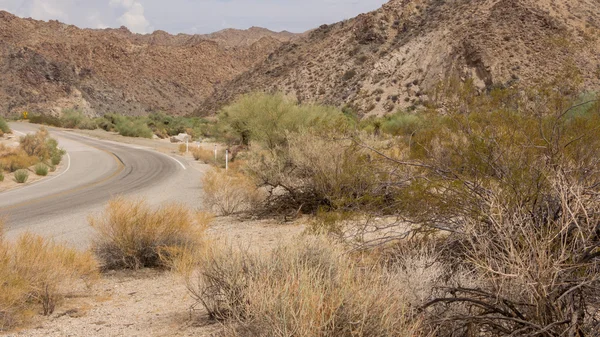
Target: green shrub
<point x="21" y="176"/>
<point x="41" y="169"/>
<point x="41" y="145"/>
<point x="4" y="126"/>
<point x="268" y="119"/>
<point x="133" y="128"/>
<point x="46" y="120"/>
<point x="1" y="176"/>
<point x="75" y="119"/>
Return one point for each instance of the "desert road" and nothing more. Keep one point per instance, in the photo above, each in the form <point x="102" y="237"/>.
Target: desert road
<point x="91" y="173"/>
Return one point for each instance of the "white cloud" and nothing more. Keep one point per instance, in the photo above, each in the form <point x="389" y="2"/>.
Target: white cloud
<point x="43" y="10"/>
<point x="134" y="17"/>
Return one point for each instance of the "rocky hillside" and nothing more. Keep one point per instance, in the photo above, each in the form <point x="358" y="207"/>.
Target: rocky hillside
<point x="394" y="57"/>
<point x="48" y="66"/>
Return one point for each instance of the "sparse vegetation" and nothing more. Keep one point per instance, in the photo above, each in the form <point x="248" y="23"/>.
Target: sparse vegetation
<point x="21" y="176"/>
<point x="229" y="192"/>
<point x="159" y="124"/>
<point x="36" y="273"/>
<point x="310" y="288"/>
<point x="131" y="235"/>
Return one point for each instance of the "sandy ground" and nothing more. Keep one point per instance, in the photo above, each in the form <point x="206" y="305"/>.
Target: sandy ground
<point x="12" y="140"/>
<point x="148" y="302"/>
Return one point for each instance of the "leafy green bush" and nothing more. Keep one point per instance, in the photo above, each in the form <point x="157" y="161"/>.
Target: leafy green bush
<point x="4" y="126"/>
<point x="21" y="176"/>
<point x="46" y="120"/>
<point x="133" y="128"/>
<point x="41" y="169"/>
<point x="75" y="119"/>
<point x="267" y="119"/>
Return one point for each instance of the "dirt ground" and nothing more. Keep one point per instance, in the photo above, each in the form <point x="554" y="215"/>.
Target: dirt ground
<point x="149" y="302"/>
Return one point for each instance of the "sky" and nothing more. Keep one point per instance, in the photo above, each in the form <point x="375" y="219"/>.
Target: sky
<point x="192" y="16"/>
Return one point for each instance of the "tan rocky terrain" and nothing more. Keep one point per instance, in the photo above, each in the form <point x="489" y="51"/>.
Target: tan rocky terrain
<point x="394" y="57"/>
<point x="48" y="66"/>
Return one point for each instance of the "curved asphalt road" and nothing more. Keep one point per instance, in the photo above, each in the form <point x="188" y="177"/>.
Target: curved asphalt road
<point x="92" y="173"/>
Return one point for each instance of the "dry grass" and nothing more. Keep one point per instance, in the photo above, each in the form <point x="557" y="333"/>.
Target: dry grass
<point x="228" y="192"/>
<point x="311" y="288"/>
<point x="35" y="273"/>
<point x="206" y="156"/>
<point x="14" y="159"/>
<point x="132" y="235"/>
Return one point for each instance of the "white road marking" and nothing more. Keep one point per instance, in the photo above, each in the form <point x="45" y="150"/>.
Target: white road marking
<point x="178" y="162"/>
<point x="19" y="132"/>
<point x="130" y="146"/>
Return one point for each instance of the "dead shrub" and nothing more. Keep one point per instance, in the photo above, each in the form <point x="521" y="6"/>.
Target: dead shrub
<point x="539" y="272"/>
<point x="131" y="235"/>
<point x="316" y="170"/>
<point x="228" y="192"/>
<point x="36" y="272"/>
<point x="310" y="288"/>
<point x="203" y="155"/>
<point x="40" y="145"/>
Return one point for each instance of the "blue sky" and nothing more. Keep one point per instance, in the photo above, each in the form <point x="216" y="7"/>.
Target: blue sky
<point x="192" y="16"/>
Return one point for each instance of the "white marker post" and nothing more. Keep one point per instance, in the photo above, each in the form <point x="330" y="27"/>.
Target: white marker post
<point x="226" y="160"/>
<point x="215" y="153"/>
<point x="187" y="145"/>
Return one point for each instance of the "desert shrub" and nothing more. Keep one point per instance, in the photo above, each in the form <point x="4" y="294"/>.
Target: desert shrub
<point x="228" y="192"/>
<point x="36" y="273"/>
<point x="203" y="155"/>
<point x="316" y="170"/>
<point x="208" y="156"/>
<point x="132" y="235"/>
<point x="21" y="176"/>
<point x="56" y="159"/>
<point x="75" y="119"/>
<point x="1" y="176"/>
<point x="182" y="148"/>
<point x="133" y="128"/>
<point x="401" y="124"/>
<point x="348" y="75"/>
<point x="267" y="119"/>
<point x="40" y="145"/>
<point x="310" y="288"/>
<point x="518" y="207"/>
<point x="4" y="128"/>
<point x="41" y="169"/>
<point x="16" y="159"/>
<point x="46" y="120"/>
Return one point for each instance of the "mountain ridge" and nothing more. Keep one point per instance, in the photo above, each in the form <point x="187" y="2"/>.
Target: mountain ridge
<point x="394" y="57"/>
<point x="50" y="66"/>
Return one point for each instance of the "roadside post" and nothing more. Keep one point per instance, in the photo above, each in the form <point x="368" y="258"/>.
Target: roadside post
<point x="226" y="160"/>
<point x="215" y="153"/>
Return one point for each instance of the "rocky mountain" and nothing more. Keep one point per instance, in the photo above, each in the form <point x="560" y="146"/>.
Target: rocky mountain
<point x="49" y="66"/>
<point x="395" y="57"/>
